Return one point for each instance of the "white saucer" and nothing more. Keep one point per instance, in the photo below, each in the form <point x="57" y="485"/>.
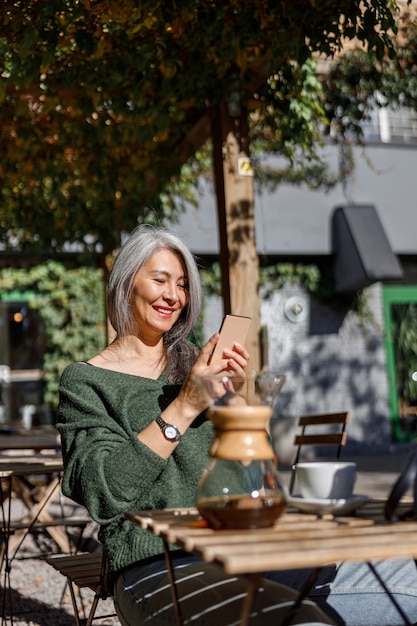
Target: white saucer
<point x="337" y="507"/>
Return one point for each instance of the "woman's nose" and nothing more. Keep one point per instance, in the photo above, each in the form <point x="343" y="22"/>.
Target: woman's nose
<point x="172" y="292"/>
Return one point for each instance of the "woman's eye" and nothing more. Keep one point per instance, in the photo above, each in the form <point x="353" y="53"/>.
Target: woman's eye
<point x="185" y="287"/>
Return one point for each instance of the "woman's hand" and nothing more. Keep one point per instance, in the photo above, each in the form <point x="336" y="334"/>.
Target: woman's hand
<point x="234" y="361"/>
<point x="192" y="398"/>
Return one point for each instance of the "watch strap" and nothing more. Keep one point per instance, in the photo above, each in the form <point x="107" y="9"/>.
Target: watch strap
<point x="163" y="425"/>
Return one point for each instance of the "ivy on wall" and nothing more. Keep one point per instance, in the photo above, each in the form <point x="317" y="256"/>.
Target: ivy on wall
<point x="71" y="308"/>
<point x="312" y="277"/>
<point x="317" y="279"/>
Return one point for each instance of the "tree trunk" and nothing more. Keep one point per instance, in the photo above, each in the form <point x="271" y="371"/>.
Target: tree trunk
<point x="235" y="207"/>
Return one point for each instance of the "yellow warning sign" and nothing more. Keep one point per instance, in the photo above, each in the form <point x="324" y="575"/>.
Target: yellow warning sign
<point x="245" y="167"/>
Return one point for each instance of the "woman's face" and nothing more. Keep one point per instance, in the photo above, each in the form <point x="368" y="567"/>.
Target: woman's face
<point x="160" y="293"/>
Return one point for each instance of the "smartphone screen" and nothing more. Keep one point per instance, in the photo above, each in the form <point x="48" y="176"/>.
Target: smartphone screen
<point x="234" y="329"/>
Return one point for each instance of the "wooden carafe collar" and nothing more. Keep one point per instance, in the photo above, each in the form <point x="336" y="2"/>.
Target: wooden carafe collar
<point x="240" y="433"/>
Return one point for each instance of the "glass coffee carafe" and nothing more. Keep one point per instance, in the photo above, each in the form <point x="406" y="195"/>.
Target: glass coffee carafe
<point x="240" y="488"/>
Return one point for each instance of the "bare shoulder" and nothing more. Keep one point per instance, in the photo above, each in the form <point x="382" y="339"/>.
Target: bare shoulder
<point x="131" y="357"/>
<point x="106" y="359"/>
<point x="118" y="361"/>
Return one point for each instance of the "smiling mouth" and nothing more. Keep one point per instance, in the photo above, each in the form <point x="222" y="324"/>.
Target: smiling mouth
<point x="164" y="311"/>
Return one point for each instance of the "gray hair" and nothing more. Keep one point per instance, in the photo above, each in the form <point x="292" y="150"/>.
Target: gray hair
<point x="141" y="245"/>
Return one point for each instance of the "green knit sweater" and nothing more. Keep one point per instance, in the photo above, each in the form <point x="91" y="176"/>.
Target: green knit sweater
<point x="109" y="471"/>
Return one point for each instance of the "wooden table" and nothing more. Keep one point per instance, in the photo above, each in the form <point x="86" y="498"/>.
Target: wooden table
<point x="24" y="454"/>
<point x="14" y="473"/>
<point x="30" y="440"/>
<point x="16" y="476"/>
<point x="298" y="540"/>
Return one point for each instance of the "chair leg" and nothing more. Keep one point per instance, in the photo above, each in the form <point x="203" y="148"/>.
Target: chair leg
<point x="75" y="604"/>
<point x="80" y="604"/>
<point x="97" y="597"/>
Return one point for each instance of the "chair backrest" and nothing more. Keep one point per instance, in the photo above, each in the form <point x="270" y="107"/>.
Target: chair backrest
<point x="335" y="435"/>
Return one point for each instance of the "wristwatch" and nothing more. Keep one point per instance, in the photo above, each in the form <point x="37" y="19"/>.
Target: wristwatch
<point x="170" y="431"/>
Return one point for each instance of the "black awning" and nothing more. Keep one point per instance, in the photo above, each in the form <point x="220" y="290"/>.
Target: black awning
<point x="362" y="252"/>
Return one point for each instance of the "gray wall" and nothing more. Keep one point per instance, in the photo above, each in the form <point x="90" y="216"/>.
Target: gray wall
<point x="331" y="362"/>
<point x="298" y="221"/>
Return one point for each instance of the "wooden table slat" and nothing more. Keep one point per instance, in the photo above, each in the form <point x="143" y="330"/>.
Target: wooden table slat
<point x="191" y="538"/>
<point x="280" y="547"/>
<point x="297" y="539"/>
<point x="254" y="563"/>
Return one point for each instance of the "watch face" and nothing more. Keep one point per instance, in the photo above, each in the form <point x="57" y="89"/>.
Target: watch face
<point x="171" y="432"/>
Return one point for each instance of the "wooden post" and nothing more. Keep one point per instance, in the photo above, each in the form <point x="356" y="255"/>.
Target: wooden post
<point x="236" y="217"/>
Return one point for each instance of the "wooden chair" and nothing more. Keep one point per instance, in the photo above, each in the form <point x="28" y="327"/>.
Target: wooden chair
<point x="337" y="435"/>
<point x="81" y="571"/>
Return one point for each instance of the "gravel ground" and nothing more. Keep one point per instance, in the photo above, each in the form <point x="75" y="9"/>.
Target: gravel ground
<point x="38" y="594"/>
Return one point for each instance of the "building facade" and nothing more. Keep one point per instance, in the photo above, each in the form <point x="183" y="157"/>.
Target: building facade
<point x="337" y="360"/>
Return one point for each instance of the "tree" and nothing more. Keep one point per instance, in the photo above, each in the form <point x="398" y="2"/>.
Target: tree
<point x="102" y="101"/>
<point x="358" y="83"/>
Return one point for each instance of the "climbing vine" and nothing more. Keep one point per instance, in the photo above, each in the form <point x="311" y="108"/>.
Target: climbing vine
<point x="272" y="277"/>
<point x="317" y="279"/>
<point x="71" y="309"/>
<point x="70" y="303"/>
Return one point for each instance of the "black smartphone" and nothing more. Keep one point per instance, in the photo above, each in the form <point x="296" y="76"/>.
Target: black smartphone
<point x="234" y="329"/>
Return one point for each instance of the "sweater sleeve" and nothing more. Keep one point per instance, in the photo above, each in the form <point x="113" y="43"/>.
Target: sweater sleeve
<point x="107" y="469"/>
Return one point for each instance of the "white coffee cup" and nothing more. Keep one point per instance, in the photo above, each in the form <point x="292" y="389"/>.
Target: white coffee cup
<point x="326" y="479"/>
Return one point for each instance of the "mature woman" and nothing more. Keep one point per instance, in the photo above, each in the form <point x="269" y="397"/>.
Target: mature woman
<point x="134" y="437"/>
